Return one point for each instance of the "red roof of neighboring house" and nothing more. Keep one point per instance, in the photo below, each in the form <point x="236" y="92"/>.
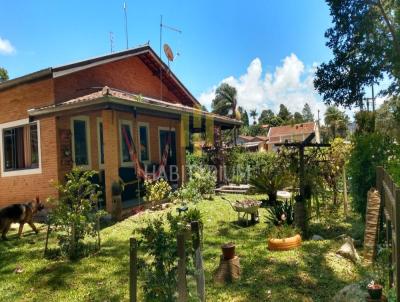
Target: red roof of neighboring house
<point x="246" y="138"/>
<point x="262" y="137"/>
<point x="275" y="133"/>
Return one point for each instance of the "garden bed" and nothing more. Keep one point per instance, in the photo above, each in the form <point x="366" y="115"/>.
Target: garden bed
<point x="311" y="272"/>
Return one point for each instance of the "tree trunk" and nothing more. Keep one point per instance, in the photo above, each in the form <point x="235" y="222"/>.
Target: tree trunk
<point x="345" y="201"/>
<point x="300" y="215"/>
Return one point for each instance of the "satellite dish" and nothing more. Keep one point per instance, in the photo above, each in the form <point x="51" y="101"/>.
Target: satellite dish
<point x="168" y="52"/>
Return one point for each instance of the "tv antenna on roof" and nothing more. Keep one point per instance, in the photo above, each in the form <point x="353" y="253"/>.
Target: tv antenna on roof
<point x="126" y="25"/>
<point x="168" y="51"/>
<point x="111" y="41"/>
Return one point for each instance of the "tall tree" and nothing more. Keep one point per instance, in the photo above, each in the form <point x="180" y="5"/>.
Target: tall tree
<point x="244" y="116"/>
<point x="225" y="101"/>
<point x="298" y="118"/>
<point x="284" y="113"/>
<point x="365" y="41"/>
<point x="336" y="121"/>
<point x="3" y="74"/>
<point x="253" y="114"/>
<point x="266" y="116"/>
<point x="308" y="116"/>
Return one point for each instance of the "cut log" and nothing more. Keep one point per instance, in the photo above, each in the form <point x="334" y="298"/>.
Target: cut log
<point x="228" y="270"/>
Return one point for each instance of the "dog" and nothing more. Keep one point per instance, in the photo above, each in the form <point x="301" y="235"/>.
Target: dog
<point x="19" y="213"/>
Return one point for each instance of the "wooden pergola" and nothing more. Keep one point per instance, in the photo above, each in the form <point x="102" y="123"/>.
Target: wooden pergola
<point x="301" y="146"/>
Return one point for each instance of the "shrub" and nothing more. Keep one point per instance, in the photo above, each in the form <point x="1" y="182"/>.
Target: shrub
<point x="193" y="159"/>
<point x="283" y="231"/>
<point x="280" y="214"/>
<point x="159" y="265"/>
<point x="369" y="151"/>
<point x="156" y="190"/>
<point x="186" y="193"/>
<point x="274" y="176"/>
<point x="242" y="165"/>
<point x="204" y="180"/>
<point x="76" y="213"/>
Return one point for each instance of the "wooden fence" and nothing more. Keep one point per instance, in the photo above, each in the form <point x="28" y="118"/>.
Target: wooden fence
<point x="181" y="271"/>
<point x="390" y="201"/>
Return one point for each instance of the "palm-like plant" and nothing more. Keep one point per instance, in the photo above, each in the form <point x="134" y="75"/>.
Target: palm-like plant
<point x="269" y="181"/>
<point x="336" y="121"/>
<point x="253" y="114"/>
<point x="225" y="101"/>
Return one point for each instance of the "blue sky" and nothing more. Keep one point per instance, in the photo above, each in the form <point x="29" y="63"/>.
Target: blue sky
<point x="265" y="48"/>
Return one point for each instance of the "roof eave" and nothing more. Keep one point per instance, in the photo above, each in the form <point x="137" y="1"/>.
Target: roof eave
<point x="47" y="72"/>
<point x="112" y="99"/>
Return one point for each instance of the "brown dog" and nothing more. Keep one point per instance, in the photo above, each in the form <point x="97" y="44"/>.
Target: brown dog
<point x="19" y="213"/>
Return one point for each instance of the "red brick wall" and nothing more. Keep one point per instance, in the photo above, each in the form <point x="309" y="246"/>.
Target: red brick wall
<point x="14" y="104"/>
<point x="130" y="75"/>
<point x="23" y="188"/>
<point x="16" y="101"/>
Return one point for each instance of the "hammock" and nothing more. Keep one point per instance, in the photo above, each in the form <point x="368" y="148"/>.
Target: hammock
<point x="141" y="173"/>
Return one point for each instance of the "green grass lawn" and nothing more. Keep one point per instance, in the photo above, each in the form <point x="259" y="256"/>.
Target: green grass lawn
<point x="310" y="273"/>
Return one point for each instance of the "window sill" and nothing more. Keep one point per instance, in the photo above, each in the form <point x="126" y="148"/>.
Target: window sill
<point x="21" y="172"/>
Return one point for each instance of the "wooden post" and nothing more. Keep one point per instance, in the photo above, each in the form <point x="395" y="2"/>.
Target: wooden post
<point x="389" y="239"/>
<point x="200" y="279"/>
<point x="345" y="201"/>
<point x="182" y="284"/>
<point x="133" y="270"/>
<point x="379" y="179"/>
<point x="47" y="240"/>
<point x="396" y="256"/>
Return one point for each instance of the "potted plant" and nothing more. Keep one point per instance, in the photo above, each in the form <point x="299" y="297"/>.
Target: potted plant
<point x="283" y="238"/>
<point x="374" y="290"/>
<point x="228" y="250"/>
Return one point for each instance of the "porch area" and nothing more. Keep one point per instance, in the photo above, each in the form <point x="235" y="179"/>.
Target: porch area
<point x="107" y="130"/>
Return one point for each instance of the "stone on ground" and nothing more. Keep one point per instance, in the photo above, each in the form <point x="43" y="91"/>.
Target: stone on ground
<point x="348" y="251"/>
<point x="317" y="238"/>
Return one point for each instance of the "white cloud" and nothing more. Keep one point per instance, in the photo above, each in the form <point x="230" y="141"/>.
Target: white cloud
<point x="290" y="84"/>
<point x="6" y="48"/>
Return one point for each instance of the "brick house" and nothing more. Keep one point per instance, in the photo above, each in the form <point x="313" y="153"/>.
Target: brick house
<point x="76" y="114"/>
<point x="292" y="133"/>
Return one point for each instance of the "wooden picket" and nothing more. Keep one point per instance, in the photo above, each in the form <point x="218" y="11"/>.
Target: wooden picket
<point x="390" y="201"/>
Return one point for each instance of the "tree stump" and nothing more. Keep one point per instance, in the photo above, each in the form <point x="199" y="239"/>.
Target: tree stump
<point x="228" y="270"/>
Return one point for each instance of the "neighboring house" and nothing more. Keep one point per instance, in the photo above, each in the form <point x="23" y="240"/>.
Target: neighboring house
<point x="253" y="143"/>
<point x="77" y="115"/>
<point x="292" y="133"/>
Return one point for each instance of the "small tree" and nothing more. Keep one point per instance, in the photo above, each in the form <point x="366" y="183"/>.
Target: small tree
<point x="3" y="74"/>
<point x="76" y="213"/>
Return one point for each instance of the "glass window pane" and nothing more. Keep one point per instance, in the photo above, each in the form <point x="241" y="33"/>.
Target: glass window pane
<point x="125" y="150"/>
<point x="9" y="150"/>
<point x="144" y="148"/>
<point x="21" y="147"/>
<point x="80" y="141"/>
<point x="34" y="146"/>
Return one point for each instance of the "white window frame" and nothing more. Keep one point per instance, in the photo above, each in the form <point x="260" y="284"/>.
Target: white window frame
<point x="122" y="139"/>
<point x="100" y="121"/>
<point x="159" y="141"/>
<point x="144" y="124"/>
<point x="14" y="124"/>
<point x="86" y="119"/>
